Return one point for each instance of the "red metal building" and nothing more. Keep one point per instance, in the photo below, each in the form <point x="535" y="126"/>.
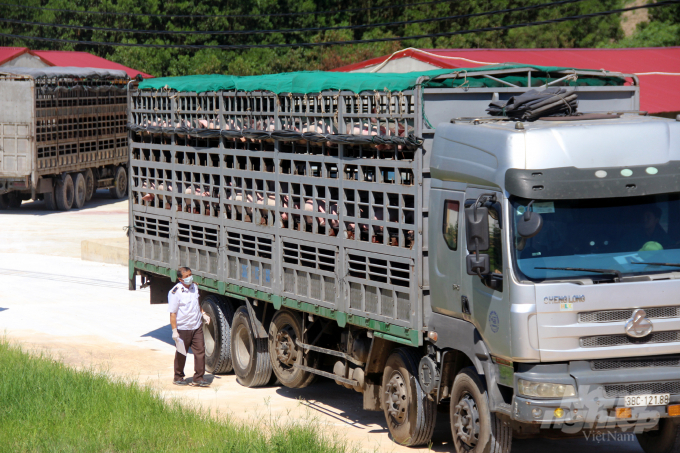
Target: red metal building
<point x="658" y="68"/>
<point x="22" y="56"/>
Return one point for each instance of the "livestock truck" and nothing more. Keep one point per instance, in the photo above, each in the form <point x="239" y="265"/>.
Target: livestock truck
<point x="383" y="231"/>
<point x="63" y="135"/>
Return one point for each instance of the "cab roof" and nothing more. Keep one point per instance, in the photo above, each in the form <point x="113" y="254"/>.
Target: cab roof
<point x="480" y="151"/>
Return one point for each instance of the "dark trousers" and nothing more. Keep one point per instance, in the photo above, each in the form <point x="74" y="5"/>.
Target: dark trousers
<point x="192" y="339"/>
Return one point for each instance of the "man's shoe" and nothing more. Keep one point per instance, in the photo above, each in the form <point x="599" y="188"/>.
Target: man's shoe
<point x="200" y="384"/>
<point x="180" y="382"/>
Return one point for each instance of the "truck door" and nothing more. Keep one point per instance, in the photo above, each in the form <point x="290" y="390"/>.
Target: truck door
<point x="488" y="296"/>
<point x="446" y="251"/>
<point x="17" y="117"/>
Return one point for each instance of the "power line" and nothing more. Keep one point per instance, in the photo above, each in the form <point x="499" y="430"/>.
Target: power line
<point x="293" y="30"/>
<point x="207" y="16"/>
<point x="357" y="41"/>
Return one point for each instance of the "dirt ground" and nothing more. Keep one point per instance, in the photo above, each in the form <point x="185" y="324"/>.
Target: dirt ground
<point x="630" y="19"/>
<point x="82" y="313"/>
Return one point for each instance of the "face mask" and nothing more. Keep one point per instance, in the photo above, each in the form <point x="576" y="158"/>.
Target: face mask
<point x="189" y="280"/>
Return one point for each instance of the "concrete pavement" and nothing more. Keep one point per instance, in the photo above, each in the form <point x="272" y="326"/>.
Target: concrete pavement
<point x="82" y="313"/>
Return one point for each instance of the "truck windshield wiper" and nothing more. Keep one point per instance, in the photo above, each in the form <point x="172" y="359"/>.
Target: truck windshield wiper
<point x="656" y="264"/>
<point x="583" y="269"/>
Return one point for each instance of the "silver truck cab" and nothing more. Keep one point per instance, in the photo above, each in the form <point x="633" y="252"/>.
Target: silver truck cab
<point x="581" y="316"/>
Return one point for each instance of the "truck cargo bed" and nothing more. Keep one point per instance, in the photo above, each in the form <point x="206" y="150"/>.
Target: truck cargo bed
<point x="333" y="222"/>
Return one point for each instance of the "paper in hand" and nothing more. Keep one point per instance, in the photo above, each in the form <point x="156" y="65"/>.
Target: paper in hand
<point x="180" y="347"/>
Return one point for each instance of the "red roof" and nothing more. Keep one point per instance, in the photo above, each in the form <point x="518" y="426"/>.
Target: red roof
<point x="658" y="92"/>
<point x="82" y="60"/>
<point x="10" y="53"/>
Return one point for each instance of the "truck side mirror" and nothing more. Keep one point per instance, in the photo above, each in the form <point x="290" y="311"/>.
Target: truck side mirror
<point x="530" y="224"/>
<point x="477" y="236"/>
<point x="477" y="264"/>
<point x="477" y="228"/>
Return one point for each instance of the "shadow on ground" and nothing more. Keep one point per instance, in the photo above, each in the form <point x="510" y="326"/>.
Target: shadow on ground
<point x="346" y="406"/>
<point x="3" y="309"/>
<point x="581" y="445"/>
<point x="100" y="198"/>
<point x="163" y="334"/>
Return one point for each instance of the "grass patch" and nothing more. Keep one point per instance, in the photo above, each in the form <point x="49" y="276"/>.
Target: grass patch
<point x="47" y="406"/>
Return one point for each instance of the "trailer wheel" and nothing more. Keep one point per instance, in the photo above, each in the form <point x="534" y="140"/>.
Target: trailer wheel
<point x="120" y="181"/>
<point x="64" y="193"/>
<point x="89" y="184"/>
<point x="4" y="201"/>
<point x="14" y="200"/>
<point x="79" y="191"/>
<point x="664" y="440"/>
<point x="249" y="355"/>
<point x="410" y="414"/>
<point x="474" y="428"/>
<point x="217" y="334"/>
<point x="284" y="330"/>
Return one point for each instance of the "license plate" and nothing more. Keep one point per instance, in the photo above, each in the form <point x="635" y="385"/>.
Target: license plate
<point x="648" y="400"/>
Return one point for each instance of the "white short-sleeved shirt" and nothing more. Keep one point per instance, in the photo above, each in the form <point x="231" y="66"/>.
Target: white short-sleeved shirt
<point x="184" y="302"/>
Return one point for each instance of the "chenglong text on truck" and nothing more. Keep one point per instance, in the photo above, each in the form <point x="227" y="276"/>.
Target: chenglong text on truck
<point x="62" y="135"/>
<point x="520" y="273"/>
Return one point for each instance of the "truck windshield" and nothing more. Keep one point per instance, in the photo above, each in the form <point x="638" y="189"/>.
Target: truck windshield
<point x="614" y="233"/>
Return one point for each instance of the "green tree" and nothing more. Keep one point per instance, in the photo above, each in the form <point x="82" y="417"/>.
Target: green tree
<point x="233" y="15"/>
<point x="662" y="29"/>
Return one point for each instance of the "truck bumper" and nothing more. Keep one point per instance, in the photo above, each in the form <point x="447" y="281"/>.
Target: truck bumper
<point x="586" y="414"/>
<point x="599" y="393"/>
<point x="12" y="184"/>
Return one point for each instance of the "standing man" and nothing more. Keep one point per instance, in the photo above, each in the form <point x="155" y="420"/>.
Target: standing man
<point x="186" y="320"/>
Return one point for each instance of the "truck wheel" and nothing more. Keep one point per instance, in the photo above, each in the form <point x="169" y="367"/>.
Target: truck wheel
<point x="14" y="200"/>
<point x="89" y="184"/>
<point x="79" y="190"/>
<point x="217" y="334"/>
<point x="4" y="201"/>
<point x="475" y="429"/>
<point x="410" y="414"/>
<point x="249" y="355"/>
<point x="664" y="440"/>
<point x="64" y="193"/>
<point x="284" y="330"/>
<point x="120" y="181"/>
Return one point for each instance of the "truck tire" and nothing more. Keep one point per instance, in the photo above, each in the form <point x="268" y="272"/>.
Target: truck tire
<point x="411" y="416"/>
<point x="120" y="183"/>
<point x="249" y="355"/>
<point x="474" y="428"/>
<point x="664" y="440"/>
<point x="79" y="191"/>
<point x="285" y="329"/>
<point x="217" y="334"/>
<point x="14" y="200"/>
<point x="89" y="184"/>
<point x="4" y="201"/>
<point x="64" y="193"/>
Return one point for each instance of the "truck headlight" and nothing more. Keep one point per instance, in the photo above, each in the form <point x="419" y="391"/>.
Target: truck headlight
<point x="545" y="389"/>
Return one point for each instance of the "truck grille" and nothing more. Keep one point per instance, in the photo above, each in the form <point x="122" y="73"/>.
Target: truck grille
<point x="623" y="315"/>
<point x="645" y="388"/>
<point x="622" y="340"/>
<point x="607" y="365"/>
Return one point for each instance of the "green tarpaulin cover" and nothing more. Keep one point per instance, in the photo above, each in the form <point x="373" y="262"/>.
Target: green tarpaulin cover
<point x="318" y="81"/>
